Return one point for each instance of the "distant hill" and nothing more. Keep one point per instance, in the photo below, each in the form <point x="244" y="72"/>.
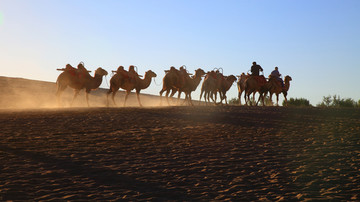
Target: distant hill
<point x="26" y="93"/>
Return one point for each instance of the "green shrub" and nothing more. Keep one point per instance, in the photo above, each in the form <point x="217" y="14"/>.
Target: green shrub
<point x="336" y="101"/>
<point x="298" y="102"/>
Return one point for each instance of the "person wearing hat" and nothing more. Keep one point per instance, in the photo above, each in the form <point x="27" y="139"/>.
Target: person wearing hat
<point x="255" y="69"/>
<point x="276" y="74"/>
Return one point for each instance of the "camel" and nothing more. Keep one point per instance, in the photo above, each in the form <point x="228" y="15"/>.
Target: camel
<point x="173" y="81"/>
<point x="224" y="87"/>
<point x="78" y="80"/>
<point x="252" y="85"/>
<point x="274" y="86"/>
<point x="124" y="82"/>
<point x="241" y="85"/>
<point x="191" y="85"/>
<point x="211" y="83"/>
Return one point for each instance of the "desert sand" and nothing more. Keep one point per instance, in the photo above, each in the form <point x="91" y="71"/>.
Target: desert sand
<point x="179" y="153"/>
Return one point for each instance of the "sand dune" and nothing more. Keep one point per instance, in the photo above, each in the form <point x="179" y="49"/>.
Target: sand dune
<point x="180" y="153"/>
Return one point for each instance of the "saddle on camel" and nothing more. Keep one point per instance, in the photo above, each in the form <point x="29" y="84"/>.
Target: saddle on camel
<point x="132" y="74"/>
<point x="260" y="79"/>
<point x="79" y="73"/>
<point x="182" y="74"/>
<point x="120" y="70"/>
<point x="278" y="82"/>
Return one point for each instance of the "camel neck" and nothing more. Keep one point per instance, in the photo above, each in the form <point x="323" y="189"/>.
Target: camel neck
<point x="196" y="80"/>
<point x="228" y="84"/>
<point x="287" y="85"/>
<point x="97" y="80"/>
<point x="144" y="83"/>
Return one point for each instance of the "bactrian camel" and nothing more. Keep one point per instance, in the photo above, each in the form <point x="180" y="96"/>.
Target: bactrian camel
<point x="274" y="87"/>
<point x="128" y="84"/>
<point x="211" y="83"/>
<point x="241" y="85"/>
<point x="252" y="85"/>
<point x="78" y="79"/>
<point x="226" y="84"/>
<point x="175" y="82"/>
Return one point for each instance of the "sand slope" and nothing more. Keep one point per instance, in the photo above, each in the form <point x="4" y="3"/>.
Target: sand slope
<point x="25" y="93"/>
<point x="180" y="153"/>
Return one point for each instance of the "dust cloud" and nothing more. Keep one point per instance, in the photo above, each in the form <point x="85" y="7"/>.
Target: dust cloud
<point x="18" y="93"/>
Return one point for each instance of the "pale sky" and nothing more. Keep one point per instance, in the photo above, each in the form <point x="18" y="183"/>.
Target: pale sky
<point x="316" y="42"/>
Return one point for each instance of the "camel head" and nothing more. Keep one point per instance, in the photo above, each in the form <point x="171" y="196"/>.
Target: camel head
<point x="81" y="65"/>
<point x="231" y="78"/>
<point x="288" y="78"/>
<point x="150" y="74"/>
<point x="101" y="71"/>
<point x="199" y="73"/>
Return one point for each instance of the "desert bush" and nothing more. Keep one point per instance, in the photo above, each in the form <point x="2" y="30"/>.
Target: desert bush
<point x="234" y="101"/>
<point x="336" y="101"/>
<point x="297" y="102"/>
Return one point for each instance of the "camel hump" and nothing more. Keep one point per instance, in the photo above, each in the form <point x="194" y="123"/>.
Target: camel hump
<point x="69" y="69"/>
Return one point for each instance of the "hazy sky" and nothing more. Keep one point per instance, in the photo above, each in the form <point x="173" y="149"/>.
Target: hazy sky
<point x="316" y="42"/>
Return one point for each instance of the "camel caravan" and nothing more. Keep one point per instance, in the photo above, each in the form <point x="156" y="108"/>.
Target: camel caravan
<point x="175" y="81"/>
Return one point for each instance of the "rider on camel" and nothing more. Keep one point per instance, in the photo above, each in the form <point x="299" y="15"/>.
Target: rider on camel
<point x="276" y="74"/>
<point x="255" y="68"/>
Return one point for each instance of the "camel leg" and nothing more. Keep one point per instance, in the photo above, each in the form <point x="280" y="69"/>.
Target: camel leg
<point x="113" y="97"/>
<point x="271" y="98"/>
<point x="239" y="97"/>
<point x="186" y="99"/>
<point x="87" y="99"/>
<point x="221" y="98"/>
<point x="161" y="92"/>
<point x="190" y="100"/>
<point x="245" y="97"/>
<point x="179" y="95"/>
<point x="107" y="97"/>
<point x="76" y="93"/>
<point x="224" y="96"/>
<point x="248" y="98"/>
<point x="260" y="97"/>
<point x="263" y="98"/>
<point x="206" y="97"/>
<point x="253" y="98"/>
<point x="285" y="99"/>
<point x="212" y="97"/>
<point x="167" y="96"/>
<point x="138" y="97"/>
<point x="126" y="97"/>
